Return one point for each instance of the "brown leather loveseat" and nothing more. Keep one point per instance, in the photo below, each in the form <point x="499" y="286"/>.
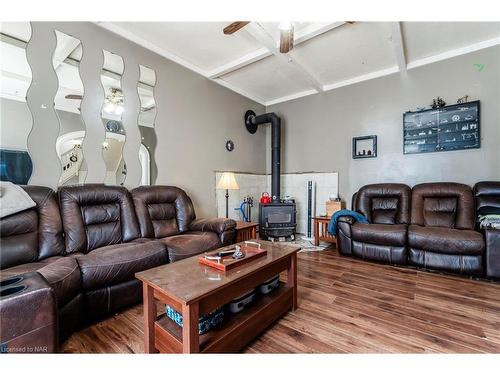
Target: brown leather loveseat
<point x="440" y="231"/>
<point x="87" y="242"/>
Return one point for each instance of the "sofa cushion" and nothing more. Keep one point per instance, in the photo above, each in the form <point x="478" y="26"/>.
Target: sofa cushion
<point x="95" y="215"/>
<point x="380" y="234"/>
<point x="162" y="210"/>
<point x="190" y="243"/>
<point x="445" y="240"/>
<point x="384" y="203"/>
<point x="114" y="264"/>
<point x="62" y="274"/>
<point x="442" y="204"/>
<point x="33" y="234"/>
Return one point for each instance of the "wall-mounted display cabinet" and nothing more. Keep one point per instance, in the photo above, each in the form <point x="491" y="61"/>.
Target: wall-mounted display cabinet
<point x="454" y="127"/>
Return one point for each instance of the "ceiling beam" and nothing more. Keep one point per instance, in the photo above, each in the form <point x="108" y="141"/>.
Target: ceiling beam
<point x="454" y="53"/>
<point x="13" y="41"/>
<point x="240" y="62"/>
<point x="398" y="44"/>
<point x="303" y="35"/>
<point x="64" y="50"/>
<point x="313" y="30"/>
<point x="263" y="37"/>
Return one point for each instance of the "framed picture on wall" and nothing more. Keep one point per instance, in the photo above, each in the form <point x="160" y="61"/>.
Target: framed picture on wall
<point x="364" y="147"/>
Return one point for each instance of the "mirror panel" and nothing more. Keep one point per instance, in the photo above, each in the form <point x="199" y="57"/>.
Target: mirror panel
<point x="147" y="117"/>
<point x="112" y="110"/>
<point x="15" y="117"/>
<point x="68" y="99"/>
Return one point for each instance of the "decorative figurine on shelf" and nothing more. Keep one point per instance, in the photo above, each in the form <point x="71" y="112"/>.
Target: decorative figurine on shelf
<point x="438" y="103"/>
<point x="463" y="99"/>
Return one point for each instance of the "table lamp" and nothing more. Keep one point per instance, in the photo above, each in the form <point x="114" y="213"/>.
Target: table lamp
<point x="227" y="181"/>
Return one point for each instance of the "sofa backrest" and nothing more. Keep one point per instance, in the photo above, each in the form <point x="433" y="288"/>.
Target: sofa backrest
<point x="442" y="204"/>
<point x="162" y="210"/>
<point x="384" y="203"/>
<point x="96" y="215"/>
<point x="33" y="234"/>
<point x="487" y="194"/>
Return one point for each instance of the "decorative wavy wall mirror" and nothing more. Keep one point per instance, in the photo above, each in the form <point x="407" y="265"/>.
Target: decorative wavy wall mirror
<point x="112" y="110"/>
<point x="64" y="104"/>
<point x="16" y="120"/>
<point x="66" y="62"/>
<point x="147" y="116"/>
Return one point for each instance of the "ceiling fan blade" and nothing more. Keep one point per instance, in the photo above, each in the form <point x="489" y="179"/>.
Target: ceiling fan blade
<point x="71" y="96"/>
<point x="235" y="26"/>
<point x="286" y="40"/>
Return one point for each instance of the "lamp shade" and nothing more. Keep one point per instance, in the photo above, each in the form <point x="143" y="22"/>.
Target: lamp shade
<point x="227" y="181"/>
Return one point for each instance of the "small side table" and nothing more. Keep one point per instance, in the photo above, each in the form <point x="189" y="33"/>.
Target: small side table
<point x="245" y="231"/>
<point x="321" y="230"/>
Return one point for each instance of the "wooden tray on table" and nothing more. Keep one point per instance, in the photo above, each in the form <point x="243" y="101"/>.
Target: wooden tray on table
<point x="226" y="263"/>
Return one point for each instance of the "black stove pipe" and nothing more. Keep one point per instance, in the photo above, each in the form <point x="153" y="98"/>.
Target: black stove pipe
<point x="251" y="122"/>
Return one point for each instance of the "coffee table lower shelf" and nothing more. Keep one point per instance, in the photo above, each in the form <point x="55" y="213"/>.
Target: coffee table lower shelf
<point x="235" y="333"/>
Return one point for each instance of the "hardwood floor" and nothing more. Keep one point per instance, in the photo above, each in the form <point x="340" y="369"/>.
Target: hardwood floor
<point x="351" y="306"/>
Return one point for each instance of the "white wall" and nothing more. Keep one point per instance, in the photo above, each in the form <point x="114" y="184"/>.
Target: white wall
<point x="292" y="184"/>
<point x="318" y="129"/>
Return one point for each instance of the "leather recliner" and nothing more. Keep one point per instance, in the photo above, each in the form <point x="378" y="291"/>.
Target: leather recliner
<point x="487" y="194"/>
<point x="441" y="235"/>
<point x="101" y="226"/>
<point x="166" y="213"/>
<point x="386" y="206"/>
<point x="32" y="240"/>
<point x="80" y="256"/>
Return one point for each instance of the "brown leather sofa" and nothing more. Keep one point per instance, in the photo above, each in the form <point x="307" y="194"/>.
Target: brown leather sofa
<point x="87" y="248"/>
<point x="440" y="232"/>
<point x="386" y="206"/>
<point x="487" y="194"/>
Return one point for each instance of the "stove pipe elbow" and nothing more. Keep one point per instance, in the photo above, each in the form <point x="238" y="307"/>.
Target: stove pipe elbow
<point x="252" y="121"/>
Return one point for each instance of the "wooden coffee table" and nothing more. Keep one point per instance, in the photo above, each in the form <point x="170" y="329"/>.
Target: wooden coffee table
<point x="195" y="290"/>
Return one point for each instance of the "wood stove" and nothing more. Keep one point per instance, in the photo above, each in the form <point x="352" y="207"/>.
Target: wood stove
<point x="278" y="219"/>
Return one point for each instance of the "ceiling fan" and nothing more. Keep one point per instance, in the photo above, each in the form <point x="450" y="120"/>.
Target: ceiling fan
<point x="286" y="33"/>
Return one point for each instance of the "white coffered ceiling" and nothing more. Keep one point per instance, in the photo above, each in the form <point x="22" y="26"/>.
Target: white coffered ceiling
<point x="326" y="55"/>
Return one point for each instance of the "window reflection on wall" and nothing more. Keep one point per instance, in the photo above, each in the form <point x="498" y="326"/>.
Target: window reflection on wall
<point x="15" y="120"/>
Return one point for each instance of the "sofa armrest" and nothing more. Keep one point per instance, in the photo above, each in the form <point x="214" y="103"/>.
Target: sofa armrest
<point x="344" y="241"/>
<point x="492" y="237"/>
<point x="225" y="228"/>
<point x="29" y="315"/>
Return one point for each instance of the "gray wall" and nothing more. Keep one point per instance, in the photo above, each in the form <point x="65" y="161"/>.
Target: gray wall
<point x="318" y="129"/>
<point x="194" y="117"/>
